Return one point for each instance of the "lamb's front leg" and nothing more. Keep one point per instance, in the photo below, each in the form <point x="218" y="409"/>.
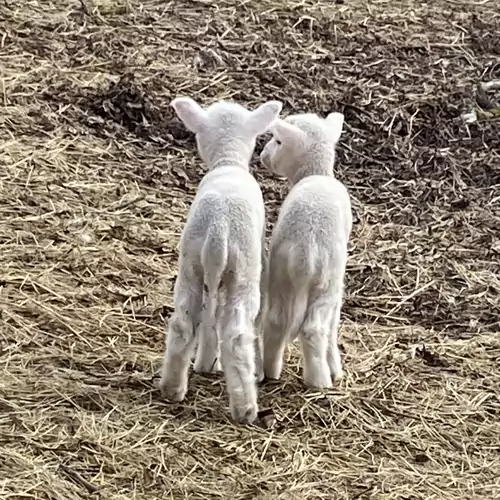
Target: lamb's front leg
<point x="258" y="350"/>
<point x="238" y="356"/>
<point x="259" y="322"/>
<point x="180" y="339"/>
<point x="207" y="353"/>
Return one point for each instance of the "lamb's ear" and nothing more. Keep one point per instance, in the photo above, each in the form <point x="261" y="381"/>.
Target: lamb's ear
<point x="335" y="123"/>
<point x="190" y="112"/>
<point x="263" y="117"/>
<point x="286" y="132"/>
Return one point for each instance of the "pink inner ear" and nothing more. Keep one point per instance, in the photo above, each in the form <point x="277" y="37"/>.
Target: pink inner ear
<point x="190" y="113"/>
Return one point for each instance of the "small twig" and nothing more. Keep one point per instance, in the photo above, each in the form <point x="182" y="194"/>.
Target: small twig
<point x="126" y="204"/>
<point x="409" y="297"/>
<point x="92" y="488"/>
<point x="493" y="85"/>
<point x="85" y="8"/>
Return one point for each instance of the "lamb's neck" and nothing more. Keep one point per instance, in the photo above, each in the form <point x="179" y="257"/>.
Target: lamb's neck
<point x="313" y="166"/>
<point x="229" y="155"/>
<point x="229" y="161"/>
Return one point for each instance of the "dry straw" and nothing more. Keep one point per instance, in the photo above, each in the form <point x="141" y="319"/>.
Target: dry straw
<point x="95" y="179"/>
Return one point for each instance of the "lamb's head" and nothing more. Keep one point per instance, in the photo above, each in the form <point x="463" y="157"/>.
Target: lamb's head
<point x="303" y="141"/>
<point x="226" y="131"/>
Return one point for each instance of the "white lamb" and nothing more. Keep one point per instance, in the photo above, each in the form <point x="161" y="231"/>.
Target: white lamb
<point x="308" y="250"/>
<point x="221" y="252"/>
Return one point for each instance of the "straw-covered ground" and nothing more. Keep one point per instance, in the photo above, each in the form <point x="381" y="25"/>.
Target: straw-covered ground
<point x="96" y="176"/>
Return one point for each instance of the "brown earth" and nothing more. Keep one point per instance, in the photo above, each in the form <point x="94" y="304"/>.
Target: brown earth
<point x="96" y="175"/>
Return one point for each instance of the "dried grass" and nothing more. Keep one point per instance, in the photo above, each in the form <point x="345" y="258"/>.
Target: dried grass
<point x="95" y="178"/>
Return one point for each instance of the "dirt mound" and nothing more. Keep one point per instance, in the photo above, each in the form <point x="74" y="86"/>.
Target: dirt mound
<point x="128" y="104"/>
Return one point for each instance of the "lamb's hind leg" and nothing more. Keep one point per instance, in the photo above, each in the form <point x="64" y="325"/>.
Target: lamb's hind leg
<point x="238" y="354"/>
<point x="259" y="322"/>
<point x="314" y="337"/>
<point x="333" y="354"/>
<point x="180" y="340"/>
<point x="207" y="354"/>
<point x="276" y="324"/>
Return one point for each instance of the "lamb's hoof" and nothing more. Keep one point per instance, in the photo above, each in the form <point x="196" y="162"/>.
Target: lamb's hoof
<point x="245" y="415"/>
<point x="173" y="392"/>
<point x="318" y="382"/>
<point x="259" y="376"/>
